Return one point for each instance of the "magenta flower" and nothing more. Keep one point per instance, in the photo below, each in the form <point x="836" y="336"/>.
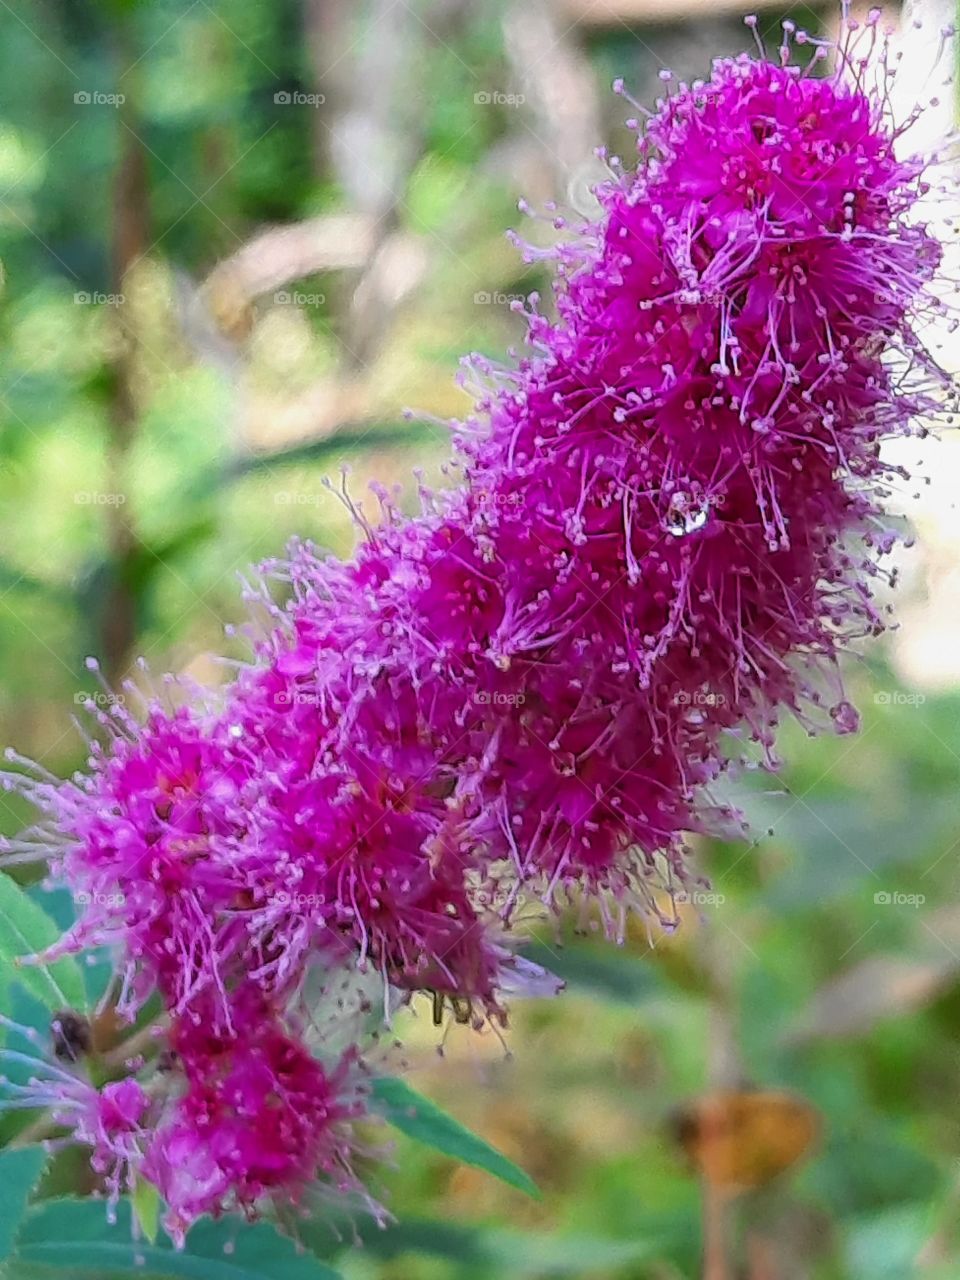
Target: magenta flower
<point x="258" y="1116"/>
<point x="134" y="845"/>
<point x="111" y="1121"/>
<point x="669" y="527"/>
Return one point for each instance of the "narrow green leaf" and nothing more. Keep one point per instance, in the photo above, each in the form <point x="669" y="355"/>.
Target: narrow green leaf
<point x="350" y="438"/>
<point x="145" y="1202"/>
<point x="606" y="971"/>
<point x="422" y="1120"/>
<point x="25" y="929"/>
<point x="12" y="580"/>
<point x="75" y="1234"/>
<point x="19" y="1173"/>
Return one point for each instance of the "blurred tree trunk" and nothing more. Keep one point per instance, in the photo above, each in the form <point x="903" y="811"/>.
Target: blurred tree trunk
<point x="130" y="241"/>
<point x="326" y="28"/>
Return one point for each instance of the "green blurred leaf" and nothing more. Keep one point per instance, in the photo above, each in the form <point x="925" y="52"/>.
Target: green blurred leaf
<point x="507" y="1253"/>
<point x="350" y="439"/>
<point x="19" y="1173"/>
<point x="75" y="1234"/>
<point x="145" y="1202"/>
<point x="422" y="1120"/>
<point x="603" y="971"/>
<point x="12" y="580"/>
<point x="885" y="1246"/>
<point x="869" y="1165"/>
<point x="846" y="848"/>
<point x="25" y="929"/>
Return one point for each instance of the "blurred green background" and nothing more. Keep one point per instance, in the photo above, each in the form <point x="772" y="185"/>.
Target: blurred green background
<point x="237" y="241"/>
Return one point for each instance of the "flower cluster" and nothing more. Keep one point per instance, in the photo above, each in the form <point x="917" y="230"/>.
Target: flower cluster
<point x="668" y="526"/>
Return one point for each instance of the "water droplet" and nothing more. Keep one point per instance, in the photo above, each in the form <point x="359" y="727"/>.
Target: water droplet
<point x="686" y="515"/>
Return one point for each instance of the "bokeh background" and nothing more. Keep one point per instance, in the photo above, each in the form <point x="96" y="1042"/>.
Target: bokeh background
<point x="238" y="240"/>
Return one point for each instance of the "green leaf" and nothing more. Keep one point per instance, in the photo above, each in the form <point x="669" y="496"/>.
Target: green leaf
<point x="350" y="438"/>
<point x="885" y="1246"/>
<point x="12" y="580"/>
<point x="145" y="1203"/>
<point x="605" y="971"/>
<point x="19" y="1173"/>
<point x="422" y="1120"/>
<point x="75" y="1234"/>
<point x="25" y="929"/>
<point x="504" y="1252"/>
<point x="847" y="850"/>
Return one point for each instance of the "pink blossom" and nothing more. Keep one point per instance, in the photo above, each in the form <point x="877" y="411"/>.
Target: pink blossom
<point x="669" y="527"/>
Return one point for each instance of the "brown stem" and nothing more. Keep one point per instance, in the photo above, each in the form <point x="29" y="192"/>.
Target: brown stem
<point x="724" y="1071"/>
<point x="715" y="1232"/>
<point x="131" y="236"/>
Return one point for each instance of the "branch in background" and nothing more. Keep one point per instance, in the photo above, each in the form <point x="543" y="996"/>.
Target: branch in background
<point x="375" y="144"/>
<point x="371" y="148"/>
<point x="559" y="86"/>
<point x="373" y="141"/>
<point x="131" y="236"/>
<point x="327" y="34"/>
<point x="396" y="269"/>
<point x="613" y="13"/>
<point x="280" y="254"/>
<point x="725" y="1070"/>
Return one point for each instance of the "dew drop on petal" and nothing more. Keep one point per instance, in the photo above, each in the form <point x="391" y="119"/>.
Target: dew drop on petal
<point x="686" y="516"/>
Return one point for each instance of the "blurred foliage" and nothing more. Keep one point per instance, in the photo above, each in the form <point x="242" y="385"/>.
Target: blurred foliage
<point x="164" y="423"/>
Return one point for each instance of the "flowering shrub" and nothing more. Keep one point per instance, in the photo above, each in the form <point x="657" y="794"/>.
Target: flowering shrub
<point x="669" y="523"/>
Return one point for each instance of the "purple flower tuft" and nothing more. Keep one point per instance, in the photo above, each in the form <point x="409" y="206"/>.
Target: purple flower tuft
<point x="670" y="526"/>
